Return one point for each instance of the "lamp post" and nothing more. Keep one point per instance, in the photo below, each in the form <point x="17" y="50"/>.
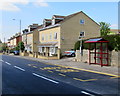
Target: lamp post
<point x="81" y="53"/>
<point x="80" y="39"/>
<point x="19" y="24"/>
<point x="19" y="28"/>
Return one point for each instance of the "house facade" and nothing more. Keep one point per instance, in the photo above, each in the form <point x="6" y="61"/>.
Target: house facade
<point x="14" y="40"/>
<point x="27" y="37"/>
<point x="62" y="32"/>
<point x="30" y="38"/>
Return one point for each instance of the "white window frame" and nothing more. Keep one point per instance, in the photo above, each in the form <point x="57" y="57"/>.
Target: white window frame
<point x="40" y="49"/>
<point x="83" y="34"/>
<point x="55" y="35"/>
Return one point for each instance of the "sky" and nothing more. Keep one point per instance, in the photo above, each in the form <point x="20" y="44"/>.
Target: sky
<point x="34" y="11"/>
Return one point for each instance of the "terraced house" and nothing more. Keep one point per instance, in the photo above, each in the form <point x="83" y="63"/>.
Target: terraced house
<point x="61" y="32"/>
<point x="14" y="40"/>
<point x="30" y="39"/>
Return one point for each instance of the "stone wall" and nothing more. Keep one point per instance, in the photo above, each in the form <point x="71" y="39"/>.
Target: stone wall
<point x="114" y="57"/>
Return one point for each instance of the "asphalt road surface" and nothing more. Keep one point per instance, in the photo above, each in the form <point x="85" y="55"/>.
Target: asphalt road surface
<point x="26" y="77"/>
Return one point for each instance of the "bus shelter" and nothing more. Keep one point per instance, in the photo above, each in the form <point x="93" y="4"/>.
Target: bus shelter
<point x="98" y="51"/>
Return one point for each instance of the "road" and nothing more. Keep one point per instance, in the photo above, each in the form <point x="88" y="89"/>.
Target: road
<point x="22" y="76"/>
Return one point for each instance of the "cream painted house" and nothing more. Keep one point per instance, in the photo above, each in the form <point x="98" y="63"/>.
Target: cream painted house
<point x="31" y="40"/>
<point x="27" y="37"/>
<point x="62" y="32"/>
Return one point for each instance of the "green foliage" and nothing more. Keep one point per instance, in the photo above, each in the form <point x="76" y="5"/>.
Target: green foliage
<point x="21" y="46"/>
<point x="114" y="43"/>
<point x="77" y="45"/>
<point x="104" y="28"/>
<point x="3" y="47"/>
<point x="16" y="48"/>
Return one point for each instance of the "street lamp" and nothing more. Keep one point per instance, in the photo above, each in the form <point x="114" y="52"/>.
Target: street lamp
<point x="80" y="39"/>
<point x="20" y="28"/>
<point x="19" y="25"/>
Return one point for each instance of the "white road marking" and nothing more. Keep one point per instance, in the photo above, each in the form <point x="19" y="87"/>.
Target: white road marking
<point x="19" y="68"/>
<point x="45" y="78"/>
<point x="8" y="63"/>
<point x="1" y="60"/>
<point x="87" y="93"/>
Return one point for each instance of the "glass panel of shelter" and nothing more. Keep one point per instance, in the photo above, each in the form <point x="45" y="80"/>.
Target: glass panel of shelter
<point x="98" y="53"/>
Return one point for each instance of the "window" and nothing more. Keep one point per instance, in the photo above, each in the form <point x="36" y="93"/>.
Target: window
<point x="53" y="50"/>
<point x="42" y="37"/>
<point x="82" y="34"/>
<point x="50" y="36"/>
<point x="46" y="37"/>
<point x="56" y="50"/>
<point x="82" y="21"/>
<point x="55" y="35"/>
<point x="40" y="50"/>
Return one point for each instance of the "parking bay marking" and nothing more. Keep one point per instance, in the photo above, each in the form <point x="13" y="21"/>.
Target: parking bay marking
<point x="85" y="80"/>
<point x="62" y="74"/>
<point x="115" y="77"/>
<point x="50" y="71"/>
<point x="45" y="78"/>
<point x="60" y="69"/>
<point x="35" y="66"/>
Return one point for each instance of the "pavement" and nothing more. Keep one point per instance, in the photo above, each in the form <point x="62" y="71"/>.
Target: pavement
<point x="107" y="70"/>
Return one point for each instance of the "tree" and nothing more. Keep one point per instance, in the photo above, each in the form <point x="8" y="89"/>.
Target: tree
<point x="21" y="46"/>
<point x="4" y="47"/>
<point x="104" y="28"/>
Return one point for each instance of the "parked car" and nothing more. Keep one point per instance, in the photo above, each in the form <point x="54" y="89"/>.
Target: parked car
<point x="16" y="52"/>
<point x="69" y="53"/>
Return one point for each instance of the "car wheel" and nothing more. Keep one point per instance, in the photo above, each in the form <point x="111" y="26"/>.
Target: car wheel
<point x="73" y="55"/>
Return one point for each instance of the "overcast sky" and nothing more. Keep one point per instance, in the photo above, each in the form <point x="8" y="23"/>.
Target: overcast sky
<point x="34" y="11"/>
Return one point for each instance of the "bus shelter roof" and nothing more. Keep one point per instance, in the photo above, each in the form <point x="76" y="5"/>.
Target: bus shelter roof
<point x="96" y="40"/>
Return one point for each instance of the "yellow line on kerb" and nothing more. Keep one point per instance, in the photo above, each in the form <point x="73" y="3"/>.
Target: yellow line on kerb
<point x="84" y="70"/>
<point x="84" y="80"/>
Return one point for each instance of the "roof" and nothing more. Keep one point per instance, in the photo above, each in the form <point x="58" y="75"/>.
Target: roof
<point x="47" y="19"/>
<point x="51" y="26"/>
<point x="96" y="40"/>
<point x="59" y="16"/>
<point x="66" y="18"/>
<point x="117" y="31"/>
<point x="69" y="16"/>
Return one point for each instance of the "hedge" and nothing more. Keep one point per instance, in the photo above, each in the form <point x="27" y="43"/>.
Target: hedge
<point x="114" y="43"/>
